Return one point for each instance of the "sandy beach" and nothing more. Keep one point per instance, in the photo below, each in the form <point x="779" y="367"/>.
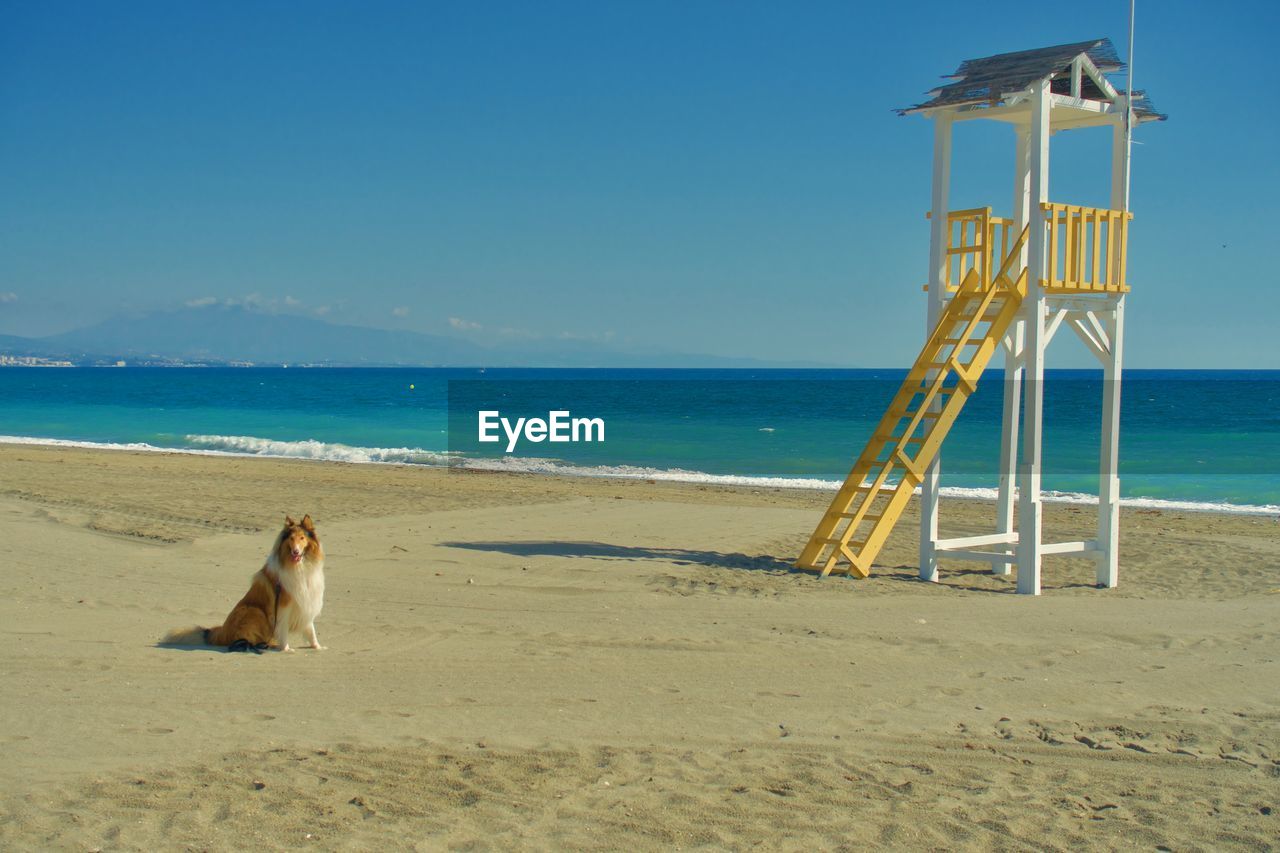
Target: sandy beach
<point x="539" y="663"/>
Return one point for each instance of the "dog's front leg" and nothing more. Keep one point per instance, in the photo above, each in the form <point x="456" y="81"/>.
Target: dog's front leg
<point x="282" y="635"/>
<point x="311" y="636"/>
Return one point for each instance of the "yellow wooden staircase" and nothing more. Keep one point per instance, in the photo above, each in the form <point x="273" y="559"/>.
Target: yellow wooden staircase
<point x="864" y="511"/>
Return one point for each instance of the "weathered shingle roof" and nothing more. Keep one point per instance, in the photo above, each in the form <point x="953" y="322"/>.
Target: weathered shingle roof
<point x="988" y="79"/>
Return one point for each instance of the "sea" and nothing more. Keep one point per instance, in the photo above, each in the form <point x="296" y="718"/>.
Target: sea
<point x="1190" y="440"/>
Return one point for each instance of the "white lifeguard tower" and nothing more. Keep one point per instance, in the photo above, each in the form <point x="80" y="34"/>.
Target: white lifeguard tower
<point x="1004" y="284"/>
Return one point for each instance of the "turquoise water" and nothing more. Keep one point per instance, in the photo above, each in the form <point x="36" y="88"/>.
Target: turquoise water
<point x="1188" y="437"/>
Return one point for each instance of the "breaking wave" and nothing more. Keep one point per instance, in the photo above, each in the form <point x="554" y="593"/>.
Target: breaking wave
<point x="247" y="445"/>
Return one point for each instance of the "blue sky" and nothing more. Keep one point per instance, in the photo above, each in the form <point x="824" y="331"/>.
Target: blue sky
<point x="725" y="178"/>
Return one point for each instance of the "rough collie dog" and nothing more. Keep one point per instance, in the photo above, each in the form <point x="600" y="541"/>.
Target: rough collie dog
<point x="285" y="595"/>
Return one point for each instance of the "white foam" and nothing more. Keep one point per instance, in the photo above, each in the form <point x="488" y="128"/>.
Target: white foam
<point x="90" y="445"/>
<point x="239" y="445"/>
<point x="533" y="465"/>
<point x="1134" y="502"/>
<point x="247" y="445"/>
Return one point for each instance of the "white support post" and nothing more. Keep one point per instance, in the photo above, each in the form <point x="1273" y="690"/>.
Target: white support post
<point x="1119" y="166"/>
<point x="1109" y="462"/>
<point x="1013" y="356"/>
<point x="1022" y="181"/>
<point x="1108" y="574"/>
<point x="1029" y="468"/>
<point x="1009" y="437"/>
<point x="1119" y="183"/>
<point x="938" y="225"/>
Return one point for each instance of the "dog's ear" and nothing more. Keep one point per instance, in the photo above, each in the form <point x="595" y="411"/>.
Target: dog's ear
<point x="288" y="521"/>
<point x="307" y="524"/>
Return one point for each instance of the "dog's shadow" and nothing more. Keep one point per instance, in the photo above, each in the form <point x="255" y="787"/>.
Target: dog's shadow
<point x="605" y="551"/>
<point x="217" y="650"/>
<point x="178" y="647"/>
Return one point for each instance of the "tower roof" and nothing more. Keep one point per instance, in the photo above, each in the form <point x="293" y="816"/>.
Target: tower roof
<point x="1000" y="80"/>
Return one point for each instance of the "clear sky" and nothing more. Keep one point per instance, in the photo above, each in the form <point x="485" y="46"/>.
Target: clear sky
<point x="725" y="178"/>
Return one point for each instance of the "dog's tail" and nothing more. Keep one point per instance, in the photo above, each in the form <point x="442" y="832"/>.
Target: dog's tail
<point x="194" y="636"/>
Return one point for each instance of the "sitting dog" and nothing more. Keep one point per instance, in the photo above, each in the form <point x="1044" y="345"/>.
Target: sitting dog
<point x="285" y="595"/>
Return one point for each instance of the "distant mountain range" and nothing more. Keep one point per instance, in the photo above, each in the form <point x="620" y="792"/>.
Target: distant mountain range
<point x="224" y="334"/>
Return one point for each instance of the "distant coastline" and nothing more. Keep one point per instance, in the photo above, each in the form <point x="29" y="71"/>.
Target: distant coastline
<point x="242" y="336"/>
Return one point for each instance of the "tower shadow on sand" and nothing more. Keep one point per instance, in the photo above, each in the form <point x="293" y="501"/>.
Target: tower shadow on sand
<point x="605" y="551"/>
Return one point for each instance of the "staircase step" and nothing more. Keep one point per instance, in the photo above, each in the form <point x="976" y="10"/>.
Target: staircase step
<point x="964" y="318"/>
<point x="852" y="513"/>
<point x="987" y="317"/>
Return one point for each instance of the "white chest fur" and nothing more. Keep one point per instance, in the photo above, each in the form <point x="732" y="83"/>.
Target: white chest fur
<point x="305" y="586"/>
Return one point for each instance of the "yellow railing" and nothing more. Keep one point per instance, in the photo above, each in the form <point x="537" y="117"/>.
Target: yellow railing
<point x="1086" y="249"/>
<point x="975" y="240"/>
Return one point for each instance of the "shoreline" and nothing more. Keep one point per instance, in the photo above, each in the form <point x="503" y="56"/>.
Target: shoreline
<point x="149" y="509"/>
<point x="624" y="473"/>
